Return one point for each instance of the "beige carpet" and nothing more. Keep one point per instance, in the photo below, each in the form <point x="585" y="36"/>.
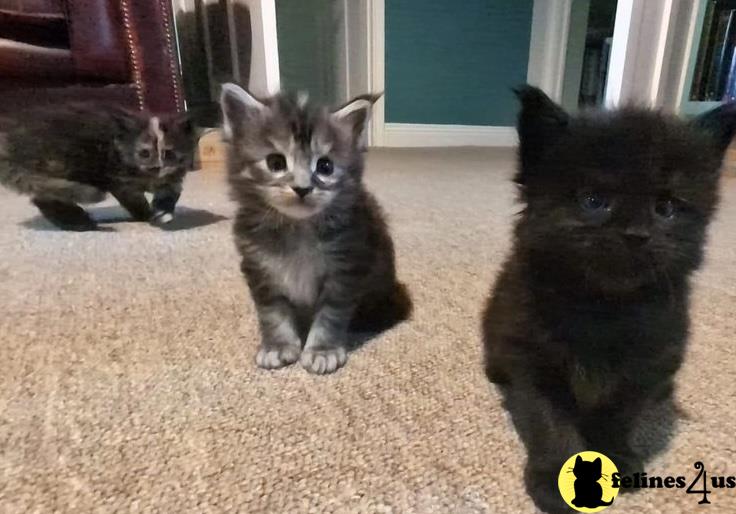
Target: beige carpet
<point x="127" y="380"/>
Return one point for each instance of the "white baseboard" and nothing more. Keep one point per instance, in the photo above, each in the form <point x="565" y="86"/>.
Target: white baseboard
<point x="411" y="134"/>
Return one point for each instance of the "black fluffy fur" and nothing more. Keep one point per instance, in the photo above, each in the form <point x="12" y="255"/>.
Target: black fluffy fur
<point x="588" y="319"/>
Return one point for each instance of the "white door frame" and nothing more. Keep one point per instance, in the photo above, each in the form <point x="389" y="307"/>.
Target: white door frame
<point x="650" y="51"/>
<point x="648" y="63"/>
<point x="377" y="69"/>
<point x="363" y="34"/>
<point x="265" y="78"/>
<point x="638" y="52"/>
<point x="548" y="46"/>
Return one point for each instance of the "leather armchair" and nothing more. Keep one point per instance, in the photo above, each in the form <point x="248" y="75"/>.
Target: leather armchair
<point x="121" y="51"/>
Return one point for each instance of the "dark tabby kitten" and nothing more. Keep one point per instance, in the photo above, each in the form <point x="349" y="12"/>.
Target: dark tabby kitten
<point x="589" y="316"/>
<point x="316" y="251"/>
<point x="64" y="156"/>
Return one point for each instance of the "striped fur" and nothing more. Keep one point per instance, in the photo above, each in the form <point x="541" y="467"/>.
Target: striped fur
<point x="318" y="264"/>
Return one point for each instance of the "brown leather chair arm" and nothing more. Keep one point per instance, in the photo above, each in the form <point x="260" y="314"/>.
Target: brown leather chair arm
<point x="97" y="41"/>
<point x="42" y="29"/>
<point x="150" y="29"/>
<point x="30" y="62"/>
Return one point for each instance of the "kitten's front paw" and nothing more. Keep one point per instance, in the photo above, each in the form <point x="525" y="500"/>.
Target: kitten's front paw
<point x="274" y="357"/>
<point x="627" y="465"/>
<point x="541" y="485"/>
<point x="323" y="360"/>
<point x="162" y="218"/>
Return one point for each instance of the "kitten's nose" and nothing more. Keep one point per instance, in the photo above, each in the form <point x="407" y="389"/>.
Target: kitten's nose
<point x="302" y="191"/>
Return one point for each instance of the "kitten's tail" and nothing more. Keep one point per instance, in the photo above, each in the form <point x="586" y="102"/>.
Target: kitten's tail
<point x="604" y="504"/>
<point x="381" y="312"/>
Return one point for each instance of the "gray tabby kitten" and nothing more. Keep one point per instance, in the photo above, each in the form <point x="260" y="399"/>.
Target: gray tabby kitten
<point x="77" y="153"/>
<point x="316" y="251"/>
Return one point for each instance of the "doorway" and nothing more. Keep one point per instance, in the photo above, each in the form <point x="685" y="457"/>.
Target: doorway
<point x="322" y="48"/>
<point x="590" y="37"/>
<point x="319" y="46"/>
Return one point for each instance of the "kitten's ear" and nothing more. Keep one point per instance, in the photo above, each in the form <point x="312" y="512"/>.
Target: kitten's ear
<point x="129" y="121"/>
<point x="540" y="121"/>
<point x="598" y="463"/>
<point x="185" y="123"/>
<point x="238" y="108"/>
<point x="720" y="122"/>
<point x="355" y="113"/>
<point x="538" y="110"/>
<point x="578" y="460"/>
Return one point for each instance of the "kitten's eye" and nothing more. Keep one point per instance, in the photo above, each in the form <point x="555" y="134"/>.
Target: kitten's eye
<point x="144" y="154"/>
<point x="324" y="166"/>
<point x="169" y="155"/>
<point x="593" y="202"/>
<point x="276" y="162"/>
<point x="665" y="208"/>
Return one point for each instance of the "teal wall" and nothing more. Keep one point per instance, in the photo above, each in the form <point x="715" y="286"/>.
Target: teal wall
<point x="454" y="61"/>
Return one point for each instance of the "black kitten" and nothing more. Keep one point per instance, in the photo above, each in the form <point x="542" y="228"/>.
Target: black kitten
<point x="316" y="250"/>
<point x="64" y="156"/>
<point x="589" y="316"/>
<point x="588" y="492"/>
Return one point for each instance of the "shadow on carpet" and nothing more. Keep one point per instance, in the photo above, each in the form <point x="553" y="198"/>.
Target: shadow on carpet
<point x="185" y="219"/>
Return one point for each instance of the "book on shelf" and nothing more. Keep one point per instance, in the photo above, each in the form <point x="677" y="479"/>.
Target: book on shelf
<point x="705" y="51"/>
<point x="725" y="36"/>
<point x="714" y="73"/>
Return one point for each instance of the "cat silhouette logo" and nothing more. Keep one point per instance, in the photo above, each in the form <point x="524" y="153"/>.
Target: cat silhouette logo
<point x="585" y="482"/>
